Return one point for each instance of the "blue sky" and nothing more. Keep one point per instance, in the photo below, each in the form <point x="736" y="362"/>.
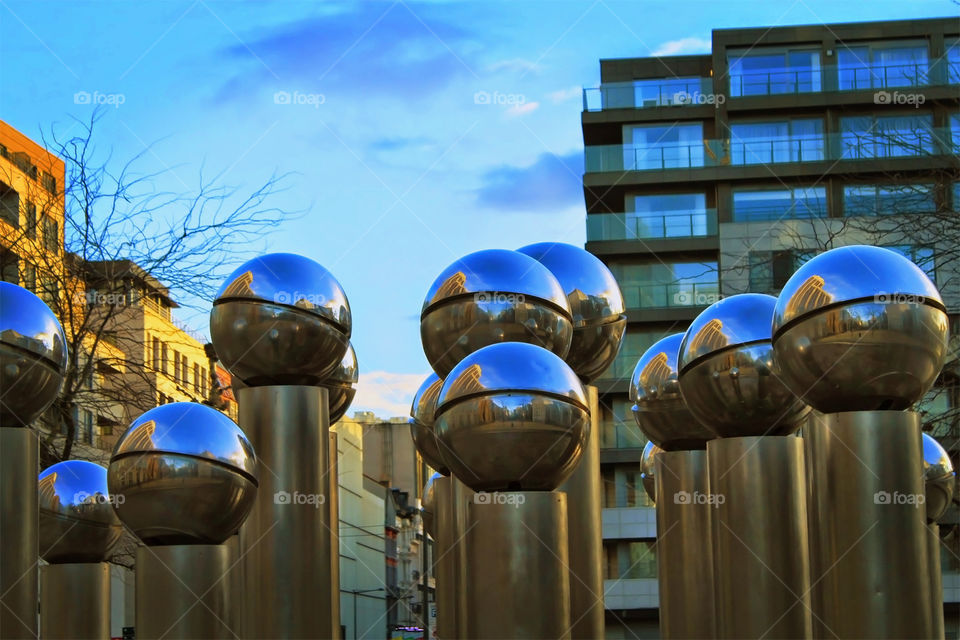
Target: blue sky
<point x="416" y="131"/>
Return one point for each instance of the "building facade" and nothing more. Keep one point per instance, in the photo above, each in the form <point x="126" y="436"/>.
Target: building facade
<point x="716" y="174"/>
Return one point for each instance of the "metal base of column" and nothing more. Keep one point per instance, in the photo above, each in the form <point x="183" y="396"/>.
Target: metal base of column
<point x="760" y="544"/>
<point x="584" y="514"/>
<point x="936" y="582"/>
<point x="333" y="503"/>
<point x="445" y="559"/>
<point x="288" y="538"/>
<point x="75" y="601"/>
<point x="19" y="521"/>
<point x="182" y="592"/>
<point x="869" y="564"/>
<point x="684" y="552"/>
<point x="517" y="562"/>
<point x="462" y="499"/>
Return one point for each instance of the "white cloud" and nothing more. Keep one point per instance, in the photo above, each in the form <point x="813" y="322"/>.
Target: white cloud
<point x="514" y="65"/>
<point x="522" y="109"/>
<point x="683" y="46"/>
<point x="385" y="393"/>
<point x="565" y="94"/>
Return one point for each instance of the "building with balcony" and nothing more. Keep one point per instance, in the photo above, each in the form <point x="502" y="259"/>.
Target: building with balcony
<point x="710" y="175"/>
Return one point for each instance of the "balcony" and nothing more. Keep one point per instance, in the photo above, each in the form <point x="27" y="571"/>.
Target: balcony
<point x="622" y="226"/>
<point x="656" y="295"/>
<point x="644" y="94"/>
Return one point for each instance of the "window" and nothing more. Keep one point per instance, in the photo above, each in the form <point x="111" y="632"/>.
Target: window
<point x="953" y="63"/>
<point x="789" y="141"/>
<point x="662" y="146"/>
<point x="82" y="425"/>
<point x="9" y="267"/>
<point x="165" y="358"/>
<point x="873" y="200"/>
<point x="204" y="384"/>
<point x="887" y="136"/>
<point x="669" y="215"/>
<point x="49" y="182"/>
<point x="651" y="92"/>
<point x="629" y="560"/>
<point x="770" y="270"/>
<point x="196" y="377"/>
<point x="176" y="365"/>
<point x="31" y="215"/>
<point x="655" y="284"/>
<point x="51" y="235"/>
<point x="9" y="206"/>
<point x="49" y="290"/>
<point x="882" y="64"/>
<point x="750" y="205"/>
<point x="955" y="133"/>
<point x="29" y="276"/>
<point x="156" y="353"/>
<point x="762" y="71"/>
<point x="923" y="257"/>
<point x="185" y="371"/>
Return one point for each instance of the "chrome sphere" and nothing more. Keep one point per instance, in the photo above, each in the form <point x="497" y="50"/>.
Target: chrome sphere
<point x="77" y="521"/>
<point x="938" y="478"/>
<point x="183" y="473"/>
<point x="860" y="328"/>
<point x="429" y="505"/>
<point x="513" y="416"/>
<point x="33" y="356"/>
<point x="421" y="423"/>
<point x="281" y="319"/>
<point x="596" y="303"/>
<point x="647" y="470"/>
<point x="491" y="297"/>
<point x="728" y="374"/>
<point x="659" y="408"/>
<point x="340" y="384"/>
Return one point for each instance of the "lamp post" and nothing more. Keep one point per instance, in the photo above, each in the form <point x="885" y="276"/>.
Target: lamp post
<point x="360" y="592"/>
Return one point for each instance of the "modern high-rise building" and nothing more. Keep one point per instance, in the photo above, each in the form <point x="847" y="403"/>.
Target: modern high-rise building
<point x="716" y="174"/>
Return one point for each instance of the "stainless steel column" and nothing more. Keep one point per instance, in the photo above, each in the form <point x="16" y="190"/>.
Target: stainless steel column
<point x="182" y="592"/>
<point x="517" y="563"/>
<point x="584" y="514"/>
<point x="235" y="583"/>
<point x="333" y="500"/>
<point x="288" y="538"/>
<point x="760" y="543"/>
<point x="19" y="521"/>
<point x="869" y="563"/>
<point x="936" y="581"/>
<point x="462" y="499"/>
<point x="75" y="601"/>
<point x="684" y="553"/>
<point x="445" y="562"/>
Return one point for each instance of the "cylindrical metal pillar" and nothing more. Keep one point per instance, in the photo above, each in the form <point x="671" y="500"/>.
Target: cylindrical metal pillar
<point x="936" y="581"/>
<point x="684" y="550"/>
<point x="445" y="562"/>
<point x="182" y="592"/>
<point x="19" y="521"/>
<point x="235" y="584"/>
<point x="333" y="500"/>
<point x="868" y="531"/>
<point x="462" y="499"/>
<point x="288" y="536"/>
<point x="759" y="534"/>
<point x="584" y="513"/>
<point x="75" y="601"/>
<point x="517" y="563"/>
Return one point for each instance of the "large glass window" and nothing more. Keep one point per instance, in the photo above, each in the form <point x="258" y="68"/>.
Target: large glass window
<point x="9" y="206"/>
<point x="656" y="284"/>
<point x="750" y="205"/>
<point x="953" y="63"/>
<point x="789" y="141"/>
<point x="618" y="429"/>
<point x="630" y="560"/>
<point x="764" y="71"/>
<point x="651" y="92"/>
<point x="662" y="146"/>
<point x="674" y="215"/>
<point x="882" y="64"/>
<point x="875" y="199"/>
<point x="887" y="136"/>
<point x="770" y="270"/>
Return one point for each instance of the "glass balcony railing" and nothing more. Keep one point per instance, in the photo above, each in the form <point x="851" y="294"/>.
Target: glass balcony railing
<point x="775" y="82"/>
<point x="622" y="226"/>
<point x="721" y="153"/>
<point x="644" y="94"/>
<point x="656" y="295"/>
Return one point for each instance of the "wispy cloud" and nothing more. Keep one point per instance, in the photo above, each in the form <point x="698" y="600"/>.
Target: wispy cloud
<point x="522" y="109"/>
<point x="386" y="394"/>
<point x="565" y="94"/>
<point x="549" y="184"/>
<point x="683" y="46"/>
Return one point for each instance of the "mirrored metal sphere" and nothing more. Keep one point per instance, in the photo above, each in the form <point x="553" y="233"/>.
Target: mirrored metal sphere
<point x="490" y="297"/>
<point x="728" y="375"/>
<point x="596" y="303"/>
<point x="429" y="502"/>
<point x="33" y="356"/>
<point x="938" y="478"/>
<point x="647" y="469"/>
<point x="512" y="416"/>
<point x="659" y="408"/>
<point x="421" y="423"/>
<point x="340" y="384"/>
<point x="860" y="328"/>
<point x="77" y="521"/>
<point x="183" y="473"/>
<point x="281" y="319"/>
